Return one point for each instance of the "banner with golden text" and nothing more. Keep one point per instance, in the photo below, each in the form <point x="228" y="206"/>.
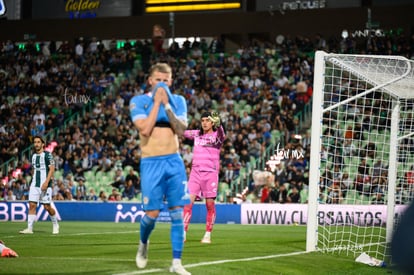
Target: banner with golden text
<point x="78" y="9"/>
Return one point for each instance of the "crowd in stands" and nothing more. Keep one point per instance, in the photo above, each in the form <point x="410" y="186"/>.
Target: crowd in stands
<point x="257" y="90"/>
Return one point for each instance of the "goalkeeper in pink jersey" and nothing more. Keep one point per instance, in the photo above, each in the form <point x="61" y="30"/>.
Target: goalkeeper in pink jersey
<point x="205" y="169"/>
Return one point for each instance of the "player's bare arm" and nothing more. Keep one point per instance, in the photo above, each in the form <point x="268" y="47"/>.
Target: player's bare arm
<point x="179" y="126"/>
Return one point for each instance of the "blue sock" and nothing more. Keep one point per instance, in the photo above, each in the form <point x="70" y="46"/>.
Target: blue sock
<point x="147" y="225"/>
<point x="177" y="232"/>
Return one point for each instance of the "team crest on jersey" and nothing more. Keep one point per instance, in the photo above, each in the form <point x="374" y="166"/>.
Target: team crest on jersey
<point x="2" y="8"/>
<point x="145" y="200"/>
<point x="132" y="106"/>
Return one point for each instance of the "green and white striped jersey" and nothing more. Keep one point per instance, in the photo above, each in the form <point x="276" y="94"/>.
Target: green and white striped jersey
<point x="41" y="165"/>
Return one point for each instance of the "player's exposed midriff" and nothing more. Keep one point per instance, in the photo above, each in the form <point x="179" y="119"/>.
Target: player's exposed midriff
<point x="162" y="142"/>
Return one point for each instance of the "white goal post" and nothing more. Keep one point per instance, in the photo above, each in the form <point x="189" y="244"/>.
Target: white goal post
<point x="361" y="174"/>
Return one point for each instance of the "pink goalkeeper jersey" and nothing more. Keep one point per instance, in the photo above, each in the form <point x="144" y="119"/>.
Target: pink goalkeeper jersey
<point x="206" y="153"/>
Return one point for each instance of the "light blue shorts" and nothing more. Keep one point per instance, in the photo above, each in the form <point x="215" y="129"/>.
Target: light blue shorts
<point x="163" y="178"/>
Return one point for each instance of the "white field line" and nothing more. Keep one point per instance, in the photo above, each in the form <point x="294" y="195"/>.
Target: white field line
<point x="217" y="262"/>
<point x="147" y="271"/>
<point x="81" y="234"/>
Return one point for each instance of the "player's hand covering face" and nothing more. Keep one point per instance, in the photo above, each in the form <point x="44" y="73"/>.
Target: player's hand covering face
<point x="160" y="93"/>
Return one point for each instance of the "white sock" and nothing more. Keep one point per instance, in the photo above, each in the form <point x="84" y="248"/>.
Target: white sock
<point x="208" y="234"/>
<point x="176" y="262"/>
<point x="54" y="219"/>
<point x="30" y="221"/>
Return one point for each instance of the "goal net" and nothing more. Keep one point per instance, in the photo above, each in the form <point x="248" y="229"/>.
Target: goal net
<point x="362" y="152"/>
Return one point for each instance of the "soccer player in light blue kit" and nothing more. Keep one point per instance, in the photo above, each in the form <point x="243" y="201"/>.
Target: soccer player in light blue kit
<point x="160" y="118"/>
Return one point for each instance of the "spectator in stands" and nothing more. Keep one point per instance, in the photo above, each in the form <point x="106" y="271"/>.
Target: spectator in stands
<point x="229" y="174"/>
<point x="378" y="198"/>
<point x="369" y="150"/>
<point x="86" y="162"/>
<point x="102" y="196"/>
<point x="348" y="148"/>
<point x="244" y="158"/>
<point x="280" y="173"/>
<point x="216" y="45"/>
<point x="114" y="196"/>
<point x="353" y="111"/>
<point x="233" y="156"/>
<point x="358" y="133"/>
<point x="294" y="195"/>
<point x="129" y="190"/>
<point x="81" y="189"/>
<point x="187" y="154"/>
<point x="409" y="176"/>
<point x="363" y="168"/>
<point x="158" y="35"/>
<point x="39" y="128"/>
<point x="377" y="169"/>
<point x="135" y="180"/>
<point x="255" y="148"/>
<point x="346" y="183"/>
<point x="10" y="196"/>
<point x="380" y="184"/>
<point x="279" y="194"/>
<point x="246" y="119"/>
<point x="359" y="184"/>
<point x="335" y="195"/>
<point x="264" y="193"/>
<point x="252" y="134"/>
<point x="119" y="179"/>
<point x="105" y="164"/>
<point x="18" y="189"/>
<point x="39" y="115"/>
<point x="133" y="158"/>
<point x="91" y="196"/>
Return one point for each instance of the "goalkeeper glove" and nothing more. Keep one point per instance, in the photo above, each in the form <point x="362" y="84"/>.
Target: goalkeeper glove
<point x="215" y="118"/>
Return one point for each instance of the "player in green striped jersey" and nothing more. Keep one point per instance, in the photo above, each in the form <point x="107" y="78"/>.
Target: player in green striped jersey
<point x="41" y="187"/>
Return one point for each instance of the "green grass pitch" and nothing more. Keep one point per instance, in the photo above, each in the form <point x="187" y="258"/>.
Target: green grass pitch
<point x="110" y="248"/>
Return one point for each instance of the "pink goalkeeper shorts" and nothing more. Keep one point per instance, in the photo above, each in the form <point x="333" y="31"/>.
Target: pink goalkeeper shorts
<point x="203" y="183"/>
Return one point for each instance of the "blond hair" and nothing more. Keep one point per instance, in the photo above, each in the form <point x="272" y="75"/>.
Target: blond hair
<point x="160" y="67"/>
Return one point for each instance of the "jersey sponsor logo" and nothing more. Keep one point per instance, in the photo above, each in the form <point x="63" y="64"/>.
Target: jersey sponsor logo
<point x="207" y="141"/>
<point x="2" y="8"/>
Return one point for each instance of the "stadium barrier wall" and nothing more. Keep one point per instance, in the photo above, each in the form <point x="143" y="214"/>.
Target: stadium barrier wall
<point x="16" y="211"/>
<point x="272" y="214"/>
<point x="328" y="214"/>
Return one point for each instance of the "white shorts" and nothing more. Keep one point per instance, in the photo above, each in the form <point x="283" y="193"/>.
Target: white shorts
<point x="36" y="195"/>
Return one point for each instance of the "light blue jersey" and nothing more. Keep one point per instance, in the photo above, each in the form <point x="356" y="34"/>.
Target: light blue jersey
<point x="141" y="105"/>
